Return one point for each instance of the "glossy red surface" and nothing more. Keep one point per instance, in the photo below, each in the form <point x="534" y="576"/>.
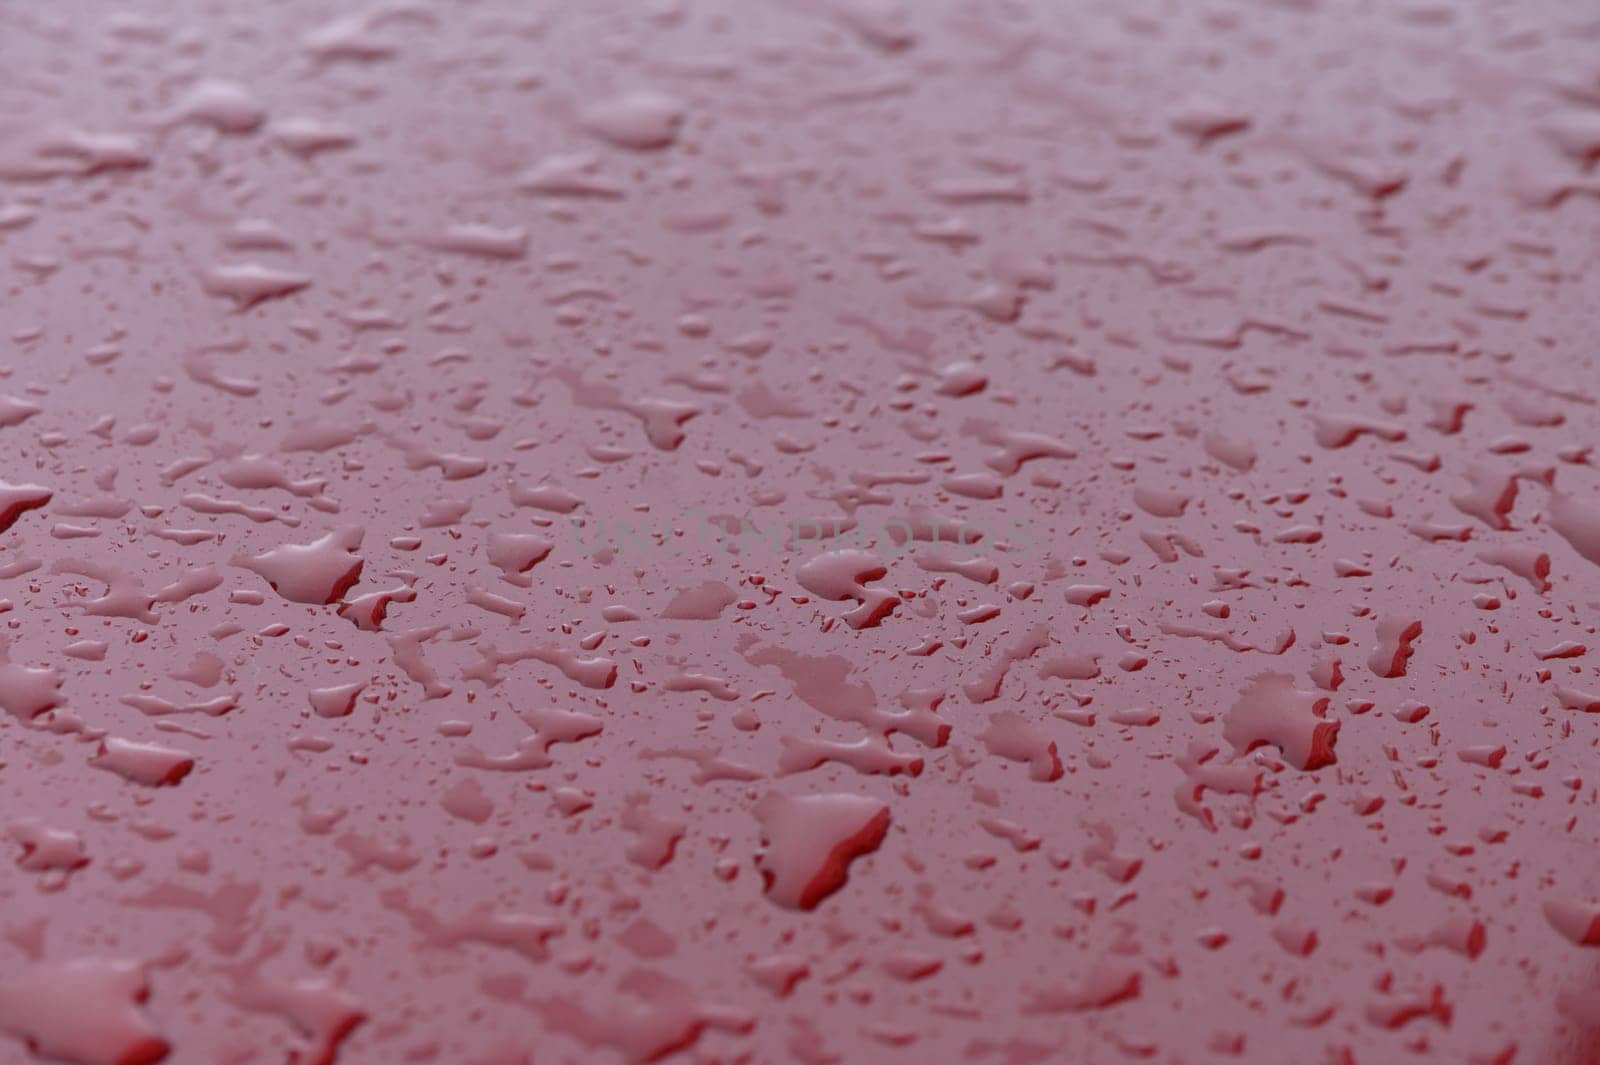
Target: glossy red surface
<point x="814" y="531"/>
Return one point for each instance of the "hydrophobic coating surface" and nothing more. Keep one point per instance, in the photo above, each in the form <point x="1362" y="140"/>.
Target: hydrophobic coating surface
<point x="819" y="531"/>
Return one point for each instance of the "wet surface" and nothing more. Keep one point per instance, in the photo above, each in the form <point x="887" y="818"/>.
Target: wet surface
<point x="808" y="531"/>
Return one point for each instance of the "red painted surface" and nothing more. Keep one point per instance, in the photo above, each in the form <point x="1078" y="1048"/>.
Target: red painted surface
<point x="799" y="531"/>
